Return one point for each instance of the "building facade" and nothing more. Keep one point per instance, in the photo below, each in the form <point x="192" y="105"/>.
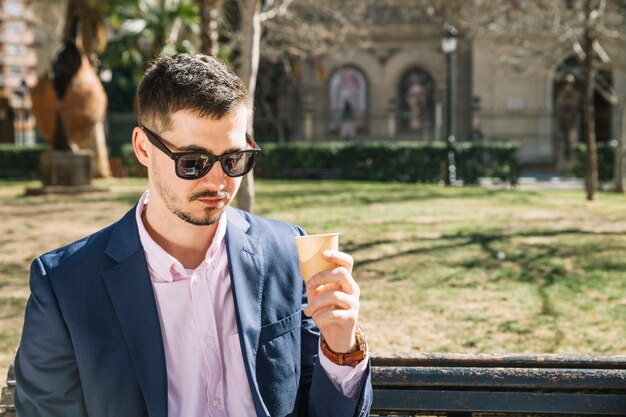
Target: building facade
<point x="18" y="63"/>
<point x="397" y="89"/>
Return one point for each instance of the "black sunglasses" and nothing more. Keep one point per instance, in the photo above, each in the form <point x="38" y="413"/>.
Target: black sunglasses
<point x="191" y="165"/>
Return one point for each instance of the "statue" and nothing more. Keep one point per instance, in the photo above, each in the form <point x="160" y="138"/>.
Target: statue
<point x="69" y="106"/>
<point x="568" y="106"/>
<point x="347" y="122"/>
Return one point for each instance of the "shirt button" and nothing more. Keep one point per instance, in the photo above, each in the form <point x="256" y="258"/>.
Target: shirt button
<point x="209" y="341"/>
<point x="216" y="402"/>
<point x="333" y="377"/>
<point x="195" y="277"/>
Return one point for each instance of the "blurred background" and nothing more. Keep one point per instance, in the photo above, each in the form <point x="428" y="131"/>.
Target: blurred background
<point x="464" y="149"/>
<point x="382" y="64"/>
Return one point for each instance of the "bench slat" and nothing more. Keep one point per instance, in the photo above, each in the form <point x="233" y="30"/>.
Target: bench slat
<point x="488" y="360"/>
<point x="507" y="401"/>
<point x="536" y="378"/>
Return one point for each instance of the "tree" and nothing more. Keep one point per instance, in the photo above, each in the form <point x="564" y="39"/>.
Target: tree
<point x="209" y="35"/>
<point x="572" y="27"/>
<point x="577" y="27"/>
<point x="144" y="29"/>
<point x="250" y="53"/>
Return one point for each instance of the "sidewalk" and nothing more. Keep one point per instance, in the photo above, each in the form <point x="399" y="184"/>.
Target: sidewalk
<point x="550" y="183"/>
<point x="542" y="180"/>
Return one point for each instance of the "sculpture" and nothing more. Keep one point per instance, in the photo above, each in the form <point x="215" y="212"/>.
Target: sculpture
<point x="568" y="106"/>
<point x="69" y="105"/>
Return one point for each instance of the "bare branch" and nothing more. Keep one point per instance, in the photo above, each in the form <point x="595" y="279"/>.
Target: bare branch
<point x="273" y="12"/>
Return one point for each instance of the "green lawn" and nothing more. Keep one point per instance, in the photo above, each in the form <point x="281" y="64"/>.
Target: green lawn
<point x="460" y="269"/>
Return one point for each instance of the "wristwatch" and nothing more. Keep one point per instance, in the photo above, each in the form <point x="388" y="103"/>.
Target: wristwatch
<point x="351" y="358"/>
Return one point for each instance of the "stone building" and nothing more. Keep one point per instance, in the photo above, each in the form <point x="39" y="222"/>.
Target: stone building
<point x="397" y="87"/>
<point x="17" y="72"/>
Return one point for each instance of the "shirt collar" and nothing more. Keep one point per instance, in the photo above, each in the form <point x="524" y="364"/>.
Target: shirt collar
<point x="164" y="266"/>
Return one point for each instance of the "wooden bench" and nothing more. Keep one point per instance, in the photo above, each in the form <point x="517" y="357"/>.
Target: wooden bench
<point x="7" y="406"/>
<point x="459" y="385"/>
<point x="471" y="385"/>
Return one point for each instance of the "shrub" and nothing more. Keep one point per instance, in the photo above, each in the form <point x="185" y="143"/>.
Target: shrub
<point x="20" y="161"/>
<point x="133" y="167"/>
<point x="606" y="160"/>
<point x="388" y="161"/>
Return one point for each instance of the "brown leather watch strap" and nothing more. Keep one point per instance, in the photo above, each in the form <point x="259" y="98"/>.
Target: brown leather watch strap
<point x="350" y="358"/>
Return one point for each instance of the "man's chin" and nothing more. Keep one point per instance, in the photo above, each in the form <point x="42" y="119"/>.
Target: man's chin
<point x="211" y="215"/>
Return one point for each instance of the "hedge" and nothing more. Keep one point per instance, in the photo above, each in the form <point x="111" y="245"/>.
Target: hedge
<point x="606" y="160"/>
<point x="129" y="159"/>
<point x="388" y="161"/>
<point x="19" y="161"/>
<point x="371" y="161"/>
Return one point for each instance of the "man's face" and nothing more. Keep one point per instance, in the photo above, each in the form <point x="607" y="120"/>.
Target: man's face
<point x="200" y="202"/>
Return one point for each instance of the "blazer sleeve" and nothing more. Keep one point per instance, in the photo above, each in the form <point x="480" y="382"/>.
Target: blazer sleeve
<point x="46" y="373"/>
<point x="323" y="399"/>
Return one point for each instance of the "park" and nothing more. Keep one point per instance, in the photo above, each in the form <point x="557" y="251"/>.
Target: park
<point x="486" y="214"/>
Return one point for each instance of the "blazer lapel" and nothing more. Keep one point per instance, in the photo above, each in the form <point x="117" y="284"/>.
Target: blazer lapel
<point x="245" y="260"/>
<point x="130" y="289"/>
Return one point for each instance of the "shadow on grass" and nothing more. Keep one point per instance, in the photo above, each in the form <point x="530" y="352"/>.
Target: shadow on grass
<point x="539" y="264"/>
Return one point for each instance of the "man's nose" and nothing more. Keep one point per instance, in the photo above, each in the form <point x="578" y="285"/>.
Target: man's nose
<point x="216" y="178"/>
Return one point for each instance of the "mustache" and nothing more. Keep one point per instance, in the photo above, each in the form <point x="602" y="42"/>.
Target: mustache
<point x="210" y="194"/>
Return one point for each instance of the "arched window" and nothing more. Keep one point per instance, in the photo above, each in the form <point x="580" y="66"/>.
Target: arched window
<point x="348" y="99"/>
<point x="416" y="101"/>
<point x="569" y="76"/>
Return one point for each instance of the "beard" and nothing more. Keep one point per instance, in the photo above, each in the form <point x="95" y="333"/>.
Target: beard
<point x="209" y="215"/>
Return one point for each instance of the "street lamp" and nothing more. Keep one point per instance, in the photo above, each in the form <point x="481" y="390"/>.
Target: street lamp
<point x="21" y="93"/>
<point x="448" y="46"/>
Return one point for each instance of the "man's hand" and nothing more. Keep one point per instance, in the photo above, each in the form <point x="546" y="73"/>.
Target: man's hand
<point x="334" y="302"/>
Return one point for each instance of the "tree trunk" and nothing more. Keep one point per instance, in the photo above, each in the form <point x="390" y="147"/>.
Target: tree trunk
<point x="620" y="169"/>
<point x="209" y="11"/>
<point x="250" y="53"/>
<point x="589" y="125"/>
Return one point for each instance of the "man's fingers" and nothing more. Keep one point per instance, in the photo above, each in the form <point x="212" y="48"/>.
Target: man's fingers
<point x="326" y="317"/>
<point x="330" y="299"/>
<point x="339" y="259"/>
<point x="339" y="277"/>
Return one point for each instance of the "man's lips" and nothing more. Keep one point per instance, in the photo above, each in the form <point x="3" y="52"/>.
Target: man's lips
<point x="211" y="201"/>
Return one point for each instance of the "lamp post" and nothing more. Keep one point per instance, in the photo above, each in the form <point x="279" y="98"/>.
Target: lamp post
<point x="448" y="46"/>
<point x="21" y="93"/>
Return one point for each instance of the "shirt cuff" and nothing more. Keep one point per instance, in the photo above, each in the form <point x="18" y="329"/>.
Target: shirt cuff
<point x="345" y="378"/>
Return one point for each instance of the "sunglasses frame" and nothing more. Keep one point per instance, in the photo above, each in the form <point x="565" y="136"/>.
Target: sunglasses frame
<point x="157" y="141"/>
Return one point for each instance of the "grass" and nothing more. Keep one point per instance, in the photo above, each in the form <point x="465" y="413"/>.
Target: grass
<point x="440" y="269"/>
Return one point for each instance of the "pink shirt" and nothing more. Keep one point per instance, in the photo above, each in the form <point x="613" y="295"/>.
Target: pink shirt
<point x="205" y="369"/>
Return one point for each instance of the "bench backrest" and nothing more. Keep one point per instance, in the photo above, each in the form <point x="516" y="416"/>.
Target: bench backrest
<point x="462" y="385"/>
<point x="459" y="385"/>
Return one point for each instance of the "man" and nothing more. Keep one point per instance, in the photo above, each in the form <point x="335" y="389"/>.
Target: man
<point x="187" y="307"/>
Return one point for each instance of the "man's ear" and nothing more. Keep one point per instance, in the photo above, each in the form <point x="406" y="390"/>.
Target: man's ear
<point x="140" y="146"/>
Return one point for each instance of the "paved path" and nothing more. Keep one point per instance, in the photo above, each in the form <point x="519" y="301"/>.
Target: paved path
<point x="538" y="181"/>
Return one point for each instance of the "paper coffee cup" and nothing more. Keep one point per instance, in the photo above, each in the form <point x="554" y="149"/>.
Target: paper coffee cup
<point x="310" y="250"/>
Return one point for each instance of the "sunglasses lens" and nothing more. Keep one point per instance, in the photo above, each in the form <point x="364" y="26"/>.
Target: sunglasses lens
<point x="193" y="166"/>
<point x="239" y="163"/>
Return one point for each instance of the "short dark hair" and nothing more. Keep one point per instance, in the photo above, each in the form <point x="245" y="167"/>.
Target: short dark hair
<point x="198" y="83"/>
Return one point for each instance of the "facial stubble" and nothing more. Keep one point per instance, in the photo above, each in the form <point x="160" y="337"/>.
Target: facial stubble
<point x="211" y="214"/>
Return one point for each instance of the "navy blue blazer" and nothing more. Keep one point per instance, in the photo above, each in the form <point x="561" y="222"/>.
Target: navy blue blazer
<point x="92" y="344"/>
